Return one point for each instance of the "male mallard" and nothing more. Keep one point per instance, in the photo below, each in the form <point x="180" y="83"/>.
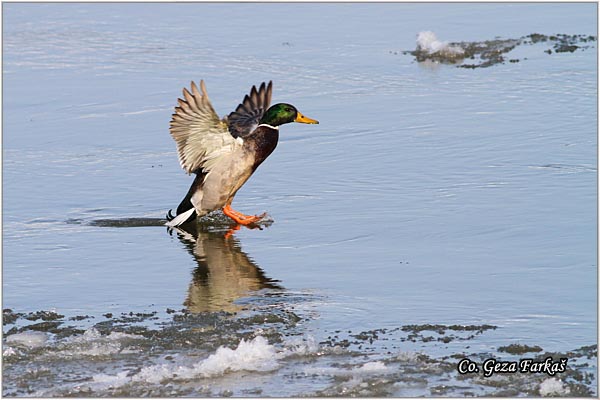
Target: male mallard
<point x="224" y="153"/>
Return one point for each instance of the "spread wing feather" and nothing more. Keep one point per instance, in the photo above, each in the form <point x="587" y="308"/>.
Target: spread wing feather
<point x="247" y="115"/>
<point x="201" y="137"/>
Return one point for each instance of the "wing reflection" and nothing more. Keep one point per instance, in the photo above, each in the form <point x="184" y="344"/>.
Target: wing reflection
<point x="224" y="272"/>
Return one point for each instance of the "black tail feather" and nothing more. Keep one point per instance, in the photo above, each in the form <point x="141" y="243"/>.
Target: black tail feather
<point x="170" y="215"/>
<point x="186" y="203"/>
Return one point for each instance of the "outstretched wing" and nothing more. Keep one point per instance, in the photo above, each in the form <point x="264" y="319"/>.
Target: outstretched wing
<point x="246" y="116"/>
<point x="201" y="137"/>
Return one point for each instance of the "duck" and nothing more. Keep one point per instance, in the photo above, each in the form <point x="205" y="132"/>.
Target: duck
<point x="223" y="153"/>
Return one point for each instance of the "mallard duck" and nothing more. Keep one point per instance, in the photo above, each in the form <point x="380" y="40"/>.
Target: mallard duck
<point x="224" y="153"/>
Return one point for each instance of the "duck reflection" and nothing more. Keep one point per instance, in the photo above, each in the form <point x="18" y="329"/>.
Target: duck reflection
<point x="224" y="273"/>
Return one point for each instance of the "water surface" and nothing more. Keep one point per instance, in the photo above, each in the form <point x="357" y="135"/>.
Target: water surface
<point x="428" y="197"/>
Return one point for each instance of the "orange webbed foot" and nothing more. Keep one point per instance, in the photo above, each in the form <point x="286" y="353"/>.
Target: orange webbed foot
<point x="240" y="218"/>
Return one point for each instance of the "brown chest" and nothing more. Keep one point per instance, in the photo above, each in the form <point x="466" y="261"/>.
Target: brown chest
<point x="262" y="143"/>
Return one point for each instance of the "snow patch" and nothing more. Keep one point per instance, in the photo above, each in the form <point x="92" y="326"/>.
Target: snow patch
<point x="93" y="344"/>
<point x="301" y="347"/>
<point x="355" y="373"/>
<point x="28" y="339"/>
<point x="93" y="334"/>
<point x="253" y="355"/>
<point x="553" y="387"/>
<point x="428" y="42"/>
<point x="9" y="352"/>
<point x="407" y="356"/>
<point x="373" y="366"/>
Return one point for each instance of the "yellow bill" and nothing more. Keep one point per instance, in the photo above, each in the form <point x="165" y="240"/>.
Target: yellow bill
<point x="305" y="120"/>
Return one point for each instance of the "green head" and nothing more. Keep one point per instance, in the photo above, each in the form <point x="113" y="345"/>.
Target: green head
<point x="283" y="113"/>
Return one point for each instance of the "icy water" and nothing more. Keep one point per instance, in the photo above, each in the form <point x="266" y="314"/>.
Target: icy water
<point x="436" y="213"/>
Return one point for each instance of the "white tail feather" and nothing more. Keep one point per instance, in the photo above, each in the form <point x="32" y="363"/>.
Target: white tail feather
<point x="181" y="218"/>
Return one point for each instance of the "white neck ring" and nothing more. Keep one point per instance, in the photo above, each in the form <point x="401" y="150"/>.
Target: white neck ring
<point x="268" y="126"/>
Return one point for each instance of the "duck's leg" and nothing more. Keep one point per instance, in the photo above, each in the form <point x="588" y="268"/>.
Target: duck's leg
<point x="240" y="218"/>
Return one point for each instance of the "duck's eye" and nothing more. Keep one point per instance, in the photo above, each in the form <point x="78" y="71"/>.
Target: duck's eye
<point x="288" y="110"/>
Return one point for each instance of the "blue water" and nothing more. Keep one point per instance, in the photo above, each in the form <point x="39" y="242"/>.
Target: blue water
<point x="433" y="194"/>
